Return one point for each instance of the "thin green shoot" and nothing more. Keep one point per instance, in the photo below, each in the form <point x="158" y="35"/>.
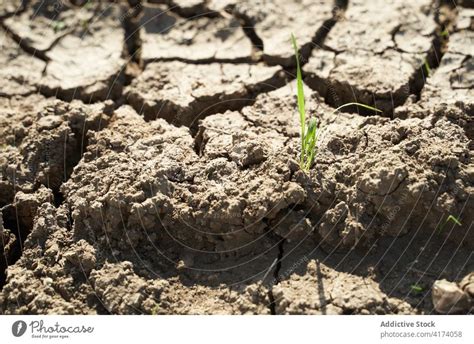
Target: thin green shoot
<point x="358" y="104"/>
<point x="454" y="219"/>
<point x="427" y="68"/>
<point x="85" y="24"/>
<point x="309" y="133"/>
<point x="451" y="218"/>
<point x="445" y="33"/>
<point x="415" y="288"/>
<point x="58" y="25"/>
<point x="301" y="105"/>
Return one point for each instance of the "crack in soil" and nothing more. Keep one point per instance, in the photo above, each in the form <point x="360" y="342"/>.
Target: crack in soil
<point x="276" y="277"/>
<point x="131" y="44"/>
<point x="23" y="44"/>
<point x="432" y="60"/>
<point x="388" y="193"/>
<point x="14" y="252"/>
<point x="131" y="25"/>
<point x="321" y="34"/>
<point x="236" y="104"/>
<point x="10" y="221"/>
<point x="198" y="10"/>
<point x="206" y="105"/>
<point x="438" y="47"/>
<point x="21" y="228"/>
<point x="321" y="292"/>
<point x="250" y="61"/>
<point x="248" y="28"/>
<point x="335" y="94"/>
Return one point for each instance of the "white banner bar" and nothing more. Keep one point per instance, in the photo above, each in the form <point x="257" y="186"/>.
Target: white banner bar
<point x="237" y="329"/>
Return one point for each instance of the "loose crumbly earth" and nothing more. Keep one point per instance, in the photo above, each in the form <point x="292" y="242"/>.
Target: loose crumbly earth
<point x="149" y="157"/>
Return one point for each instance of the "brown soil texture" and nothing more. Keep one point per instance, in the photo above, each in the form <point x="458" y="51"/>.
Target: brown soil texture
<point x="149" y="157"/>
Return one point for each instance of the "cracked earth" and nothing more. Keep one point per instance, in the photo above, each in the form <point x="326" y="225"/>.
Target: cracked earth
<point x="149" y="157"/>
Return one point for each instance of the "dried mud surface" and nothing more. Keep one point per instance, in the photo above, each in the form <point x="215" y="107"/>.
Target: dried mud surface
<point x="149" y="158"/>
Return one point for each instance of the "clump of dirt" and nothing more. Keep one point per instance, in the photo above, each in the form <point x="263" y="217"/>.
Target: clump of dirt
<point x="130" y="293"/>
<point x="177" y="195"/>
<point x="43" y="139"/>
<point x="41" y="142"/>
<point x="449" y="297"/>
<point x="42" y="280"/>
<point x="61" y="275"/>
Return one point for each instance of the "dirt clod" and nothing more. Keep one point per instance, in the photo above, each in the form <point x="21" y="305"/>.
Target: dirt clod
<point x="449" y="297"/>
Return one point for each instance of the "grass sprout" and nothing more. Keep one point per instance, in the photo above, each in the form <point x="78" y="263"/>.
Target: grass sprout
<point x="427" y="68"/>
<point x="454" y="220"/>
<point x="415" y="288"/>
<point x="445" y="33"/>
<point x="450" y="218"/>
<point x="310" y="130"/>
<point x="58" y="25"/>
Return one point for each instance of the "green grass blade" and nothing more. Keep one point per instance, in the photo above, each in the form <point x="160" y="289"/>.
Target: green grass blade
<point x="454" y="219"/>
<point x="58" y="25"/>
<point x="311" y="132"/>
<point x="416" y="288"/>
<point x="451" y="218"/>
<point x="299" y="82"/>
<point x="358" y="104"/>
<point x="427" y="68"/>
<point x="311" y="143"/>
<point x="300" y="96"/>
